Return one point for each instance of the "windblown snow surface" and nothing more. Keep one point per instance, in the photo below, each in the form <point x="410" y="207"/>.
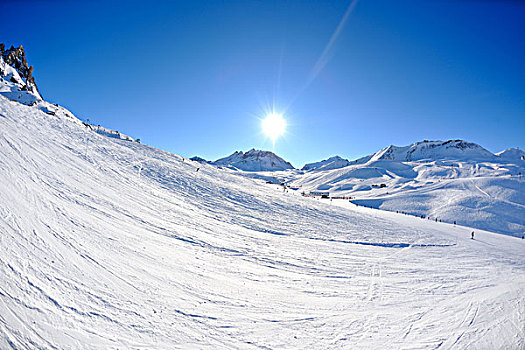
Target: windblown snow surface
<point x="107" y="243"/>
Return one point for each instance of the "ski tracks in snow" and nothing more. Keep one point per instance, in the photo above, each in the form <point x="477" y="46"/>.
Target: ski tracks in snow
<point x="128" y="247"/>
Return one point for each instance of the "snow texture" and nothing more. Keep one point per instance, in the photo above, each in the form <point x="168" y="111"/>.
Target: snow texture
<point x="11" y="84"/>
<point x="113" y="244"/>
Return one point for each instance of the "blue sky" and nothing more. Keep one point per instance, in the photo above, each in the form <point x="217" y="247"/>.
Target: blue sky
<point x="194" y="78"/>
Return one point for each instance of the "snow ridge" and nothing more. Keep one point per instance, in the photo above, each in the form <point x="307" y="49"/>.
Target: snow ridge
<point x="109" y="132"/>
<point x="330" y="163"/>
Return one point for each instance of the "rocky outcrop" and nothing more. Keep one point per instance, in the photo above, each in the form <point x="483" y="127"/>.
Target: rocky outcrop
<point x="16" y="58"/>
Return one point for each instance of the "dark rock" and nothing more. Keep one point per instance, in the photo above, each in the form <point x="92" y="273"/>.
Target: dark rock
<point x="16" y="58"/>
<point x="199" y="159"/>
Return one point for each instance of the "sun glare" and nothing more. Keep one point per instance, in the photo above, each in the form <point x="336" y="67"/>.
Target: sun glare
<point x="273" y="126"/>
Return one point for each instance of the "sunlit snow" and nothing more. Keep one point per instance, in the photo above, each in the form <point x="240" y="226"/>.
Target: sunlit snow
<point x="107" y="243"/>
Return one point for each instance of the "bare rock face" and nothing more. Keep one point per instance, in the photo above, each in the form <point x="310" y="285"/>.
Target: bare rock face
<point x="16" y="58"/>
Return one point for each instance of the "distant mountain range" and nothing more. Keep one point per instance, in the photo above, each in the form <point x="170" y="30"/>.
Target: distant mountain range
<point x="258" y="160"/>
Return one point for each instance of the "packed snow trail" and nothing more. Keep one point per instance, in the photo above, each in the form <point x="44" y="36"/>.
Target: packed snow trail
<point x="121" y="245"/>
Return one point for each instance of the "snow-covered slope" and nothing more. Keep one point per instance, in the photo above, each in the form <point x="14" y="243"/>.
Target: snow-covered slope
<point x="114" y="244"/>
<point x="451" y="181"/>
<point x="334" y="162"/>
<point x="254" y="160"/>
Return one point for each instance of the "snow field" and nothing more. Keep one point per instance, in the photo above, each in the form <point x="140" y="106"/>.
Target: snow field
<point x="107" y="243"/>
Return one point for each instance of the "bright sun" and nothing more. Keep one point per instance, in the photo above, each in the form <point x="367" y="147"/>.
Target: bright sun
<point x="274" y="126"/>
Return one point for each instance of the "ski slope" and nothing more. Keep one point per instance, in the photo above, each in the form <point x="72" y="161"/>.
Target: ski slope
<point x="453" y="181"/>
<point x="107" y="243"/>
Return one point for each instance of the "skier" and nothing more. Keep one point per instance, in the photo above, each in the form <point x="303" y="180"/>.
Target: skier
<point x="472" y="235"/>
<point x="197" y="169"/>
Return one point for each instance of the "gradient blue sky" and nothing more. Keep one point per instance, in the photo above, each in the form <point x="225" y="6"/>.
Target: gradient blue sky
<point x="194" y="77"/>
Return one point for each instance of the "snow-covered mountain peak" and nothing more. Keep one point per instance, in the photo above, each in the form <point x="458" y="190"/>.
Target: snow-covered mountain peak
<point x="512" y="154"/>
<point x="16" y="76"/>
<point x="255" y="160"/>
<point x="334" y="162"/>
<point x="435" y="150"/>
